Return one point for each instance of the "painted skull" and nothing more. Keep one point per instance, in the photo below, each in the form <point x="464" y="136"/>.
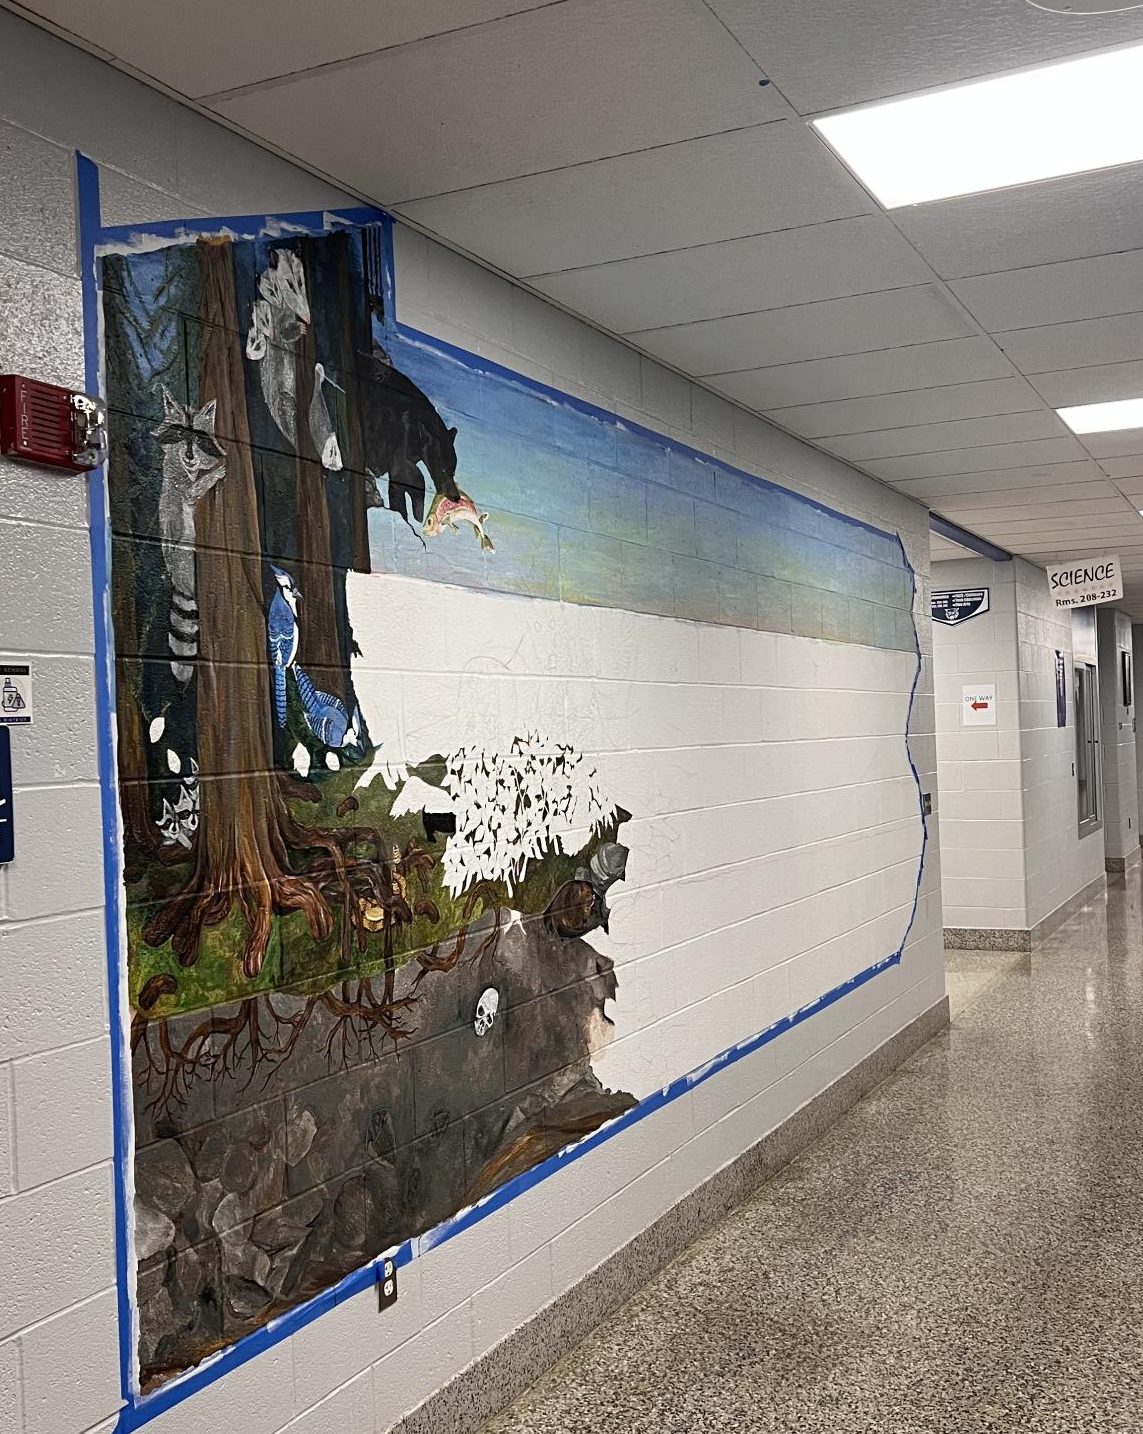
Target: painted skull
<point x="486" y="1009"/>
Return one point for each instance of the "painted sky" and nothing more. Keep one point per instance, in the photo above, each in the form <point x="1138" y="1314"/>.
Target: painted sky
<point x="586" y="509"/>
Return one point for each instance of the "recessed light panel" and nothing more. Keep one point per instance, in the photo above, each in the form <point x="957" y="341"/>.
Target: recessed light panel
<point x="1104" y="417"/>
<point x="1015" y="129"/>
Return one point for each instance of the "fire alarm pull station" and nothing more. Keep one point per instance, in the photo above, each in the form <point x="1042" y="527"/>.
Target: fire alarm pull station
<point x="42" y="423"/>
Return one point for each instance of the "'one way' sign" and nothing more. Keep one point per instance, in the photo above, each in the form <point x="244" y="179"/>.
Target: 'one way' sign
<point x="978" y="705"/>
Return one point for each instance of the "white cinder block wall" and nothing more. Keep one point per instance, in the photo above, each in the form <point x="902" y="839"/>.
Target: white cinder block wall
<point x="349" y="1370"/>
<point x="1117" y="737"/>
<point x="1011" y="852"/>
<point x="979" y="774"/>
<point x="1058" y="861"/>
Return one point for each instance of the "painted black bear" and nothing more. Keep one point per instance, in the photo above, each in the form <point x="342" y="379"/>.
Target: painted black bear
<point x="401" y="430"/>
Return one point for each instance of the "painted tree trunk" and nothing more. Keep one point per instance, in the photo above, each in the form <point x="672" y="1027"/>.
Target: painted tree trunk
<point x="241" y="853"/>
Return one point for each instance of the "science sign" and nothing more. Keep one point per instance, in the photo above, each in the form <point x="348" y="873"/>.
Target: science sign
<point x="1085" y="581"/>
<point x="953" y="605"/>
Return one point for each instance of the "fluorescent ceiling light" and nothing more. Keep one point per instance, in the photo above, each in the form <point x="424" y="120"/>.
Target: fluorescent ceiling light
<point x="1014" y="129"/>
<point x="1104" y="417"/>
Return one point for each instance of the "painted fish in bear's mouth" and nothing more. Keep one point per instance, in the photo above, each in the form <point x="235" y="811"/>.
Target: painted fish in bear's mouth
<point x="447" y="512"/>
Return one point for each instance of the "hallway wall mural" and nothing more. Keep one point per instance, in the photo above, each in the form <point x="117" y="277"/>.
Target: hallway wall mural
<point x="485" y="764"/>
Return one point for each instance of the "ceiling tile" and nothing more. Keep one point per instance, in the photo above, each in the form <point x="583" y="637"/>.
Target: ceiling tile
<point x="1126" y="443"/>
<point x="180" y="45"/>
<point x="1116" y="339"/>
<point x="1054" y="293"/>
<point x="808" y="331"/>
<point x="824" y="55"/>
<point x="1069" y="218"/>
<point x="922" y="405"/>
<point x="556" y="86"/>
<point x="1081" y="525"/>
<point x="962" y="433"/>
<point x="1011" y="500"/>
<point x="1048" y="545"/>
<point x="977" y="460"/>
<point x="1119" y="468"/>
<point x="765" y="271"/>
<point x="1049" y="478"/>
<point x="769" y="177"/>
<point x="1067" y="509"/>
<point x="1064" y="538"/>
<point x="1101" y="383"/>
<point x="1046" y="550"/>
<point x="952" y="361"/>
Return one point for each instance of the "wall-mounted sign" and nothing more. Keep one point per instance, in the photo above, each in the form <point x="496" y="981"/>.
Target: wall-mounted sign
<point x="978" y="705"/>
<point x="1085" y="581"/>
<point x="15" y="696"/>
<point x="1061" y="689"/>
<point x="953" y="605"/>
<point x="7" y="837"/>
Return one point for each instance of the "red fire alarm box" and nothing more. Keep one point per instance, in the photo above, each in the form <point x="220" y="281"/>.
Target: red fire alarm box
<point x="42" y="423"/>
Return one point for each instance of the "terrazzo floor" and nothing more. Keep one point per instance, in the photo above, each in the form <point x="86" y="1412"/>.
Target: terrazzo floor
<point x="963" y="1252"/>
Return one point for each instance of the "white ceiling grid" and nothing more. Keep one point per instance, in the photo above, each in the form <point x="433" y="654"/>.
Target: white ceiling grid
<point x="622" y="157"/>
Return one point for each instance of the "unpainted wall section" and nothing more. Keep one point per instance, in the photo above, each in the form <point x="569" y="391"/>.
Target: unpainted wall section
<point x="1058" y="861"/>
<point x="1011" y="852"/>
<point x="1117" y="739"/>
<point x="979" y="771"/>
<point x="351" y="1368"/>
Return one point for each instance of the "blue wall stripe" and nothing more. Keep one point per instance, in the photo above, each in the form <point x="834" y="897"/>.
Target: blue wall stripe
<point x="140" y="1409"/>
<point x="946" y="528"/>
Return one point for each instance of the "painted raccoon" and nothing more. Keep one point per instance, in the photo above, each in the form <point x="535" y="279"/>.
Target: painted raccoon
<point x="193" y="462"/>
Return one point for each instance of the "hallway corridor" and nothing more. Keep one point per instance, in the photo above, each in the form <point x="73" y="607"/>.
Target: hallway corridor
<point x="963" y="1252"/>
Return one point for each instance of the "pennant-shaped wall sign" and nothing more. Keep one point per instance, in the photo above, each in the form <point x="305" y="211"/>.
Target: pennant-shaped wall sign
<point x="953" y="605"/>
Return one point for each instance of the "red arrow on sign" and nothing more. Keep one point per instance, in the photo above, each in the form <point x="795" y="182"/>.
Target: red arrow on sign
<point x="976" y="706"/>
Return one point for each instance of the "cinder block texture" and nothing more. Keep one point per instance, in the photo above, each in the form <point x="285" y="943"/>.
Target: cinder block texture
<point x="782" y="687"/>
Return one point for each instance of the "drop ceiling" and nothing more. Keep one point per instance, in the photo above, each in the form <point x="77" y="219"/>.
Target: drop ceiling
<point x="649" y="165"/>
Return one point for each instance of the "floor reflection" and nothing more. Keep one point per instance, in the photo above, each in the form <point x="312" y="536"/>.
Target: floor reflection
<point x="964" y="1252"/>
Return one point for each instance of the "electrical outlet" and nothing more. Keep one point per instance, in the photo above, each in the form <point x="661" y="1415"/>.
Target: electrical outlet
<point x="386" y="1284"/>
<point x="927" y="803"/>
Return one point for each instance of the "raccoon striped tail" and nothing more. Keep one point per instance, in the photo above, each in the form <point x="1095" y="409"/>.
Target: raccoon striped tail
<point x="182" y="636"/>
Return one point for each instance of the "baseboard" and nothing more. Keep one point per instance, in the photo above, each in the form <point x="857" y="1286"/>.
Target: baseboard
<point x="1066" y="909"/>
<point x="1016" y="938"/>
<point x="987" y="938"/>
<point x="510" y="1367"/>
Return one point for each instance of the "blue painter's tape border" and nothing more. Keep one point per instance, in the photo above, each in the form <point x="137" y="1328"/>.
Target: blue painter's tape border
<point x="88" y="217"/>
<point x="908" y="750"/>
<point x="242" y="226"/>
<point x="140" y="1409"/>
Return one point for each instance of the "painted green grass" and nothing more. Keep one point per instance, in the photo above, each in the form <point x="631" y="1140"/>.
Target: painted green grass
<point x="295" y="961"/>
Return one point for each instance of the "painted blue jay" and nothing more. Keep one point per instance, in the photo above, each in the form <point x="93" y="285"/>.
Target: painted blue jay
<point x="282" y="636"/>
<point x="325" y="714"/>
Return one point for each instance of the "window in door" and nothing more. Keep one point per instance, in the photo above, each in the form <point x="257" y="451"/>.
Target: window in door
<point x="1087" y="748"/>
